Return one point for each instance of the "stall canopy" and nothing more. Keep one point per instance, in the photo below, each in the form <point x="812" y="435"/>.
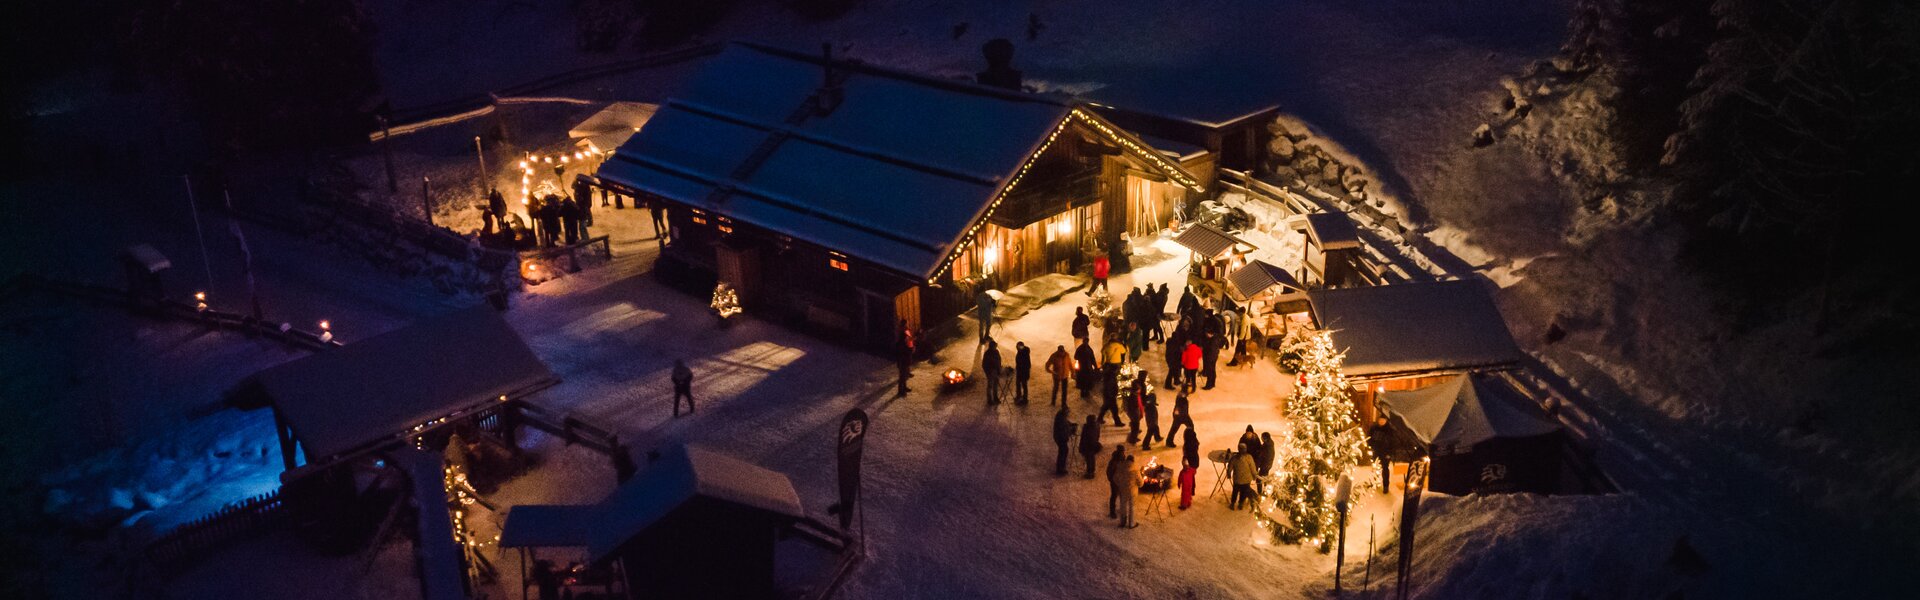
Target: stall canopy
<point x="1413" y="329"/>
<point x="1454" y="415"/>
<point x="1259" y="276"/>
<point x="1206" y="241"/>
<point x="611" y="127"/>
<point x="370" y="392"/>
<point x="679" y="477"/>
<point x="1332" y="231"/>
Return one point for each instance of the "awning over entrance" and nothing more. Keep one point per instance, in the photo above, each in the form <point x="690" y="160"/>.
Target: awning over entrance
<point x="1207" y="241"/>
<point x="1259" y="276"/>
<point x="376" y="391"/>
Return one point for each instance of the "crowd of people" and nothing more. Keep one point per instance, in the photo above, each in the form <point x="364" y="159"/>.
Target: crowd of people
<point x="552" y="219"/>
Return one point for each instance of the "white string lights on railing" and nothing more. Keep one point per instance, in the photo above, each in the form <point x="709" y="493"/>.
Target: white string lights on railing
<point x="1097" y="124"/>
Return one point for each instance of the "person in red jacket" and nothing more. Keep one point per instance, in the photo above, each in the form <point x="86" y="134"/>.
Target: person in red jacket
<point x="1100" y="267"/>
<point x="1190" y="364"/>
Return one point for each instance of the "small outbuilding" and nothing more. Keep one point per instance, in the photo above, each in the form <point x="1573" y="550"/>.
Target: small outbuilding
<point x="694" y="524"/>
<point x="1481" y="433"/>
<point x="1409" y="335"/>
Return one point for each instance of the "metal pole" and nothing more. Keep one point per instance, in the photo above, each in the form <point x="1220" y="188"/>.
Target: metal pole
<point x="1340" y="556"/>
<point x="481" y="152"/>
<point x="426" y="198"/>
<point x="1367" y="579"/>
<point x="193" y="208"/>
<point x="386" y="149"/>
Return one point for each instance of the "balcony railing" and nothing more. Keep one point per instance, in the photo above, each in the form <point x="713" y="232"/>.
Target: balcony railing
<point x="1036" y="199"/>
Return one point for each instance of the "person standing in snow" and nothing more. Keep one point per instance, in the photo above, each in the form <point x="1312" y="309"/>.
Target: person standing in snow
<point x="1250" y="439"/>
<point x="1089" y="366"/>
<point x="1136" y="341"/>
<point x="1100" y="267"/>
<point x="496" y="210"/>
<point x="903" y="355"/>
<point x="1157" y="307"/>
<point x="1190" y="366"/>
<point x="1379" y="439"/>
<point x="1188" y="470"/>
<point x="660" y="229"/>
<point x="1190" y="447"/>
<point x="1022" y="370"/>
<point x="1062" y="434"/>
<point x="682" y="386"/>
<point x="1059" y="367"/>
<point x="1263" y="456"/>
<point x="570" y="220"/>
<point x="1241" y="469"/>
<point x="550" y="219"/>
<point x="1136" y="395"/>
<point x="990" y="363"/>
<point x="1089" y="443"/>
<point x="1150" y="405"/>
<point x="1210" y="353"/>
<point x="1110" y="396"/>
<point x="1129" y="485"/>
<point x="1082" y="326"/>
<point x="1171" y="353"/>
<point x="583" y="193"/>
<point x="1116" y="474"/>
<point x="1180" y="417"/>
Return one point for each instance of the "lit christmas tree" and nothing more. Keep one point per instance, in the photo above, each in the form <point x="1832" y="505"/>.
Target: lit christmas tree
<point x="1100" y="306"/>
<point x="1324" y="442"/>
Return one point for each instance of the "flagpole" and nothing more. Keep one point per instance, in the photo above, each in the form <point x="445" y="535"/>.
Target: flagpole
<point x="193" y="208"/>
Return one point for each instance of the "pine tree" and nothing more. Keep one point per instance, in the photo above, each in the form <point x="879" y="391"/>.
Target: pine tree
<point x="1324" y="442"/>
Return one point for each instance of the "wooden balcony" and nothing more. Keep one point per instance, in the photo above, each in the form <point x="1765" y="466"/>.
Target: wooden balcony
<point x="1036" y="199"/>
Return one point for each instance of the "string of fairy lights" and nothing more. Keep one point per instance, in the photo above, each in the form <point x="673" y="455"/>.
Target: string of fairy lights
<point x="1075" y="115"/>
<point x="559" y="159"/>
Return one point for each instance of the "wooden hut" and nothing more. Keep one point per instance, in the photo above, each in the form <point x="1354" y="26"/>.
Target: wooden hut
<point x="1411" y="335"/>
<point x="851" y="197"/>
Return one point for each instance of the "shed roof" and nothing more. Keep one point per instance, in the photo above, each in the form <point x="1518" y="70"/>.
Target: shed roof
<point x="1414" y="328"/>
<point x="1454" y="415"/>
<point x="613" y="125"/>
<point x="1258" y="276"/>
<point x="1333" y="230"/>
<point x="1206" y="240"/>
<point x="681" y="475"/>
<point x="548" y="526"/>
<point x="376" y="389"/>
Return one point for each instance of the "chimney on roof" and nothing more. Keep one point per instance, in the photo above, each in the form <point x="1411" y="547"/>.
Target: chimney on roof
<point x="830" y="94"/>
<point x="1000" y="72"/>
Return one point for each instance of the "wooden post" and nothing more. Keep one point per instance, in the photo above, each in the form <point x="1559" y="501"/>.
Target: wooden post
<point x="426" y="198"/>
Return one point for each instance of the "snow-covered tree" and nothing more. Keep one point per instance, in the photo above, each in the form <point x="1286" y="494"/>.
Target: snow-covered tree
<point x="1325" y="440"/>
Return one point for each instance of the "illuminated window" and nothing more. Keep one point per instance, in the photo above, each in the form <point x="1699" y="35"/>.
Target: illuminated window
<point x="724" y="228"/>
<point x="837" y="264"/>
<point x="700" y="220"/>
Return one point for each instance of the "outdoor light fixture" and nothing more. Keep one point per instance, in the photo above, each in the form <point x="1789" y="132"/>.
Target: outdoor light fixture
<point x="1066" y="227"/>
<point x="993" y="255"/>
<point x="326" y="331"/>
<point x="200" y="301"/>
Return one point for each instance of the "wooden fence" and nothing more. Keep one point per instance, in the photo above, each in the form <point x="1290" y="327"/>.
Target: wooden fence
<point x="245" y="518"/>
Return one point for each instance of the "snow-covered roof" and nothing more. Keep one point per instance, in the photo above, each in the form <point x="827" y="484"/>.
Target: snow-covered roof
<point x="548" y="526"/>
<point x="1412" y="328"/>
<point x="678" y="476"/>
<point x="1207" y="241"/>
<point x="1451" y="416"/>
<point x="1212" y="100"/>
<point x="1258" y="276"/>
<point x="895" y="174"/>
<point x="1173" y="149"/>
<point x="613" y="125"/>
<point x="375" y="389"/>
<point x="146" y="256"/>
<point x="1332" y="230"/>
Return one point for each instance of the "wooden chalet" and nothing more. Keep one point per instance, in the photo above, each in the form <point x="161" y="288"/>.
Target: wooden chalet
<point x="854" y="196"/>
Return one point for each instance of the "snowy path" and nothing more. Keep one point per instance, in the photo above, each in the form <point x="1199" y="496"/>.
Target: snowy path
<point x="962" y="499"/>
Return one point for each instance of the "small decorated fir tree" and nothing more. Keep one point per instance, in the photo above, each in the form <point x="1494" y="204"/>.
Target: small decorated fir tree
<point x="1325" y="441"/>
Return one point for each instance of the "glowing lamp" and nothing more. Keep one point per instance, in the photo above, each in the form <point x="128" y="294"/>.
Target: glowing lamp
<point x="200" y="301"/>
<point x="1065" y="227"/>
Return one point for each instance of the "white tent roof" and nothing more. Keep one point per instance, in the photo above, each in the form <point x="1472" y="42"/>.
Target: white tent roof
<point x="1415" y="328"/>
<point x="1454" y="415"/>
<point x="376" y="389"/>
